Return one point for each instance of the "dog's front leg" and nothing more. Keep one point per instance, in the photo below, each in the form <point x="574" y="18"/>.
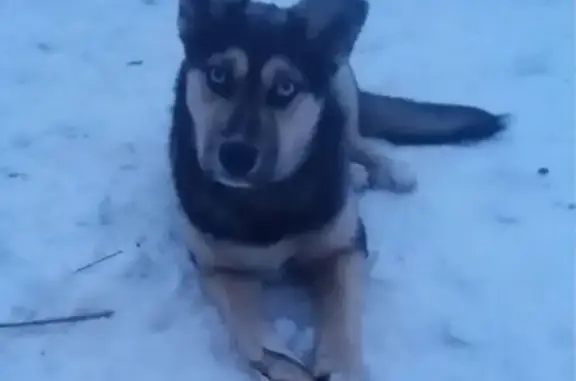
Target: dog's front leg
<point x="338" y="294"/>
<point x="238" y="299"/>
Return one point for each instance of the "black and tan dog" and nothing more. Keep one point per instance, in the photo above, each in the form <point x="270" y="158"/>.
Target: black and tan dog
<point x="266" y="121"/>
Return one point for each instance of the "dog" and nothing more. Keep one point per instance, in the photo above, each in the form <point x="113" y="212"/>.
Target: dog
<point x="266" y="122"/>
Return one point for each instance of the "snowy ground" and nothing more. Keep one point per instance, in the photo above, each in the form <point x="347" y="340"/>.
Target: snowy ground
<point x="474" y="279"/>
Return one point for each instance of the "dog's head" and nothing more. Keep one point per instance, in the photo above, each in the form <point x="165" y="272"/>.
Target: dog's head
<point x="256" y="79"/>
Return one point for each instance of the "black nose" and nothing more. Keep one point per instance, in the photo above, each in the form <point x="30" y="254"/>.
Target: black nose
<point x="238" y="158"/>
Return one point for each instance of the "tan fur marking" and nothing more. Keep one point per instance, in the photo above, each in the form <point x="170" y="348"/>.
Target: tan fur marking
<point x="210" y="252"/>
<point x="296" y="123"/>
<point x="207" y="110"/>
<point x="336" y="235"/>
<point x="279" y="65"/>
<point x="338" y="291"/>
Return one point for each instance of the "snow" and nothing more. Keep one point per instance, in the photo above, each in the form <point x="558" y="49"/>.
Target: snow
<point x="474" y="277"/>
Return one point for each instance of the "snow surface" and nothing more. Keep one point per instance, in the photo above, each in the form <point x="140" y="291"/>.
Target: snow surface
<point x="475" y="273"/>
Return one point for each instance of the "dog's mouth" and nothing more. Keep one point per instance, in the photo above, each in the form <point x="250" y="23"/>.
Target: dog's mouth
<point x="234" y="183"/>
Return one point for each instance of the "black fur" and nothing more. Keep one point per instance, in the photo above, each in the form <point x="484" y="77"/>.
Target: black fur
<point x="304" y="202"/>
<point x="403" y="121"/>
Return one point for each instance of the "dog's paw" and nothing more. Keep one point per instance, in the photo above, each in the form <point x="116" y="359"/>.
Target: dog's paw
<point x="359" y="178"/>
<point x="327" y="369"/>
<point x="330" y="377"/>
<point x="276" y="366"/>
<point x="338" y="377"/>
<point x="395" y="177"/>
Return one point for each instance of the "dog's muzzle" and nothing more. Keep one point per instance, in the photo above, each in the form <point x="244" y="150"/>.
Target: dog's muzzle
<point x="238" y="158"/>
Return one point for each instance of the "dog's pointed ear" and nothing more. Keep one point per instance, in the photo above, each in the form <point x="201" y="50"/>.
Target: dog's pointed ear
<point x="334" y="24"/>
<point x="192" y="14"/>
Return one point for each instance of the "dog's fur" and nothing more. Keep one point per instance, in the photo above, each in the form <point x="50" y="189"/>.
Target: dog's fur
<point x="265" y="125"/>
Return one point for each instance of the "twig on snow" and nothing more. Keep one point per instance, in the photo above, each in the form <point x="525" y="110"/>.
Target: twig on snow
<point x="107" y="314"/>
<point x="97" y="262"/>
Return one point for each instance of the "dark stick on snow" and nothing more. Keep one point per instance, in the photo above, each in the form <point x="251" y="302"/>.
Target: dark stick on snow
<point x="97" y="262"/>
<point x="62" y="320"/>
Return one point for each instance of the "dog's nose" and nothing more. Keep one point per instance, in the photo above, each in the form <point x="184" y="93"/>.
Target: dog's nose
<point x="238" y="158"/>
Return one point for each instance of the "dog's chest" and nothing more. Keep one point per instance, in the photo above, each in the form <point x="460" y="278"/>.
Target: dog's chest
<point x="263" y="260"/>
<point x="269" y="259"/>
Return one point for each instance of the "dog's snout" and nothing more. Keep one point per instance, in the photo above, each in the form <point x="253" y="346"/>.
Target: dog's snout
<point x="238" y="158"/>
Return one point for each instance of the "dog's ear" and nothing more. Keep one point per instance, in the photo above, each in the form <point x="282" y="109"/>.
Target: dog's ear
<point x="333" y="24"/>
<point x="193" y="14"/>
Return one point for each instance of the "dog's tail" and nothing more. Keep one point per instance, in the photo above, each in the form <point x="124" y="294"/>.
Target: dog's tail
<point x="408" y="122"/>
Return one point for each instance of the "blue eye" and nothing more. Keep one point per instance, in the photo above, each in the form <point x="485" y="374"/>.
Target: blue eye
<point x="217" y="75"/>
<point x="282" y="93"/>
<point x="285" y="89"/>
<point x="220" y="80"/>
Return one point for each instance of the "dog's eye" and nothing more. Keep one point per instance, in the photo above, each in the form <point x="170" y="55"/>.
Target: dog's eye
<point x="282" y="93"/>
<point x="285" y="89"/>
<point x="220" y="80"/>
<point x="217" y="74"/>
